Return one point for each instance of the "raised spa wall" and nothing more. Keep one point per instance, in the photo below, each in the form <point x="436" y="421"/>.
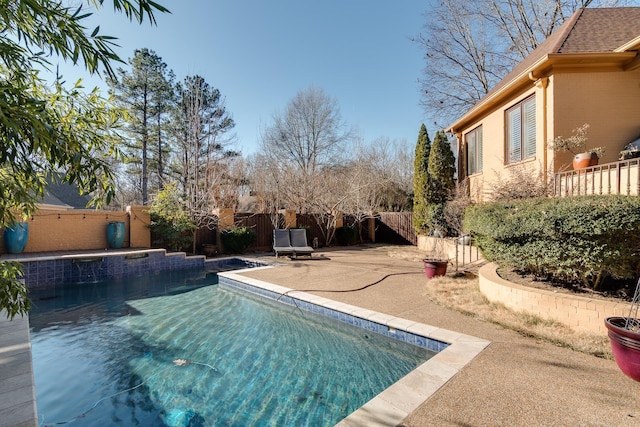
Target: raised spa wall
<point x="90" y="267"/>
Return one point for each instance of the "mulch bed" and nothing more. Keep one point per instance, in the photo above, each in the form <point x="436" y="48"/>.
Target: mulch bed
<point x="612" y="290"/>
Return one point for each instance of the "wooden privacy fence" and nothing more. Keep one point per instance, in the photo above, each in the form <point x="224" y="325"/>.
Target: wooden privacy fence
<point x="386" y="227"/>
<point x="261" y="225"/>
<point x="395" y="228"/>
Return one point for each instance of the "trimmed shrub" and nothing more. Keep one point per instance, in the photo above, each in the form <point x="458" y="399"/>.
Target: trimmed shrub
<point x="237" y="240"/>
<point x="171" y="227"/>
<point x="346" y="235"/>
<point x="574" y="239"/>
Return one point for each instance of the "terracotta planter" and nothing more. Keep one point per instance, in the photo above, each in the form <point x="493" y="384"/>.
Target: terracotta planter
<point x="625" y="345"/>
<point x="434" y="268"/>
<point x="584" y="160"/>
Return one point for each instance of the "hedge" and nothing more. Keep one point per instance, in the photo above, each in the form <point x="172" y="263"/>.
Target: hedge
<point x="575" y="239"/>
<point x="237" y="240"/>
<point x="346" y="235"/>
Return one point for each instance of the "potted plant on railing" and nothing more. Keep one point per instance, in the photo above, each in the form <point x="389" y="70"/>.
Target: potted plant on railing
<point x="624" y="334"/>
<point x="436" y="261"/>
<point x="576" y="144"/>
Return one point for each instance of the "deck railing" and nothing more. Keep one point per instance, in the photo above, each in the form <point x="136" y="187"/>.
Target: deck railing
<point x="621" y="177"/>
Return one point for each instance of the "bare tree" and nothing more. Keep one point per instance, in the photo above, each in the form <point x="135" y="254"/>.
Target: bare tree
<point x="470" y="46"/>
<point x="330" y="197"/>
<point x="393" y="160"/>
<point x="268" y="183"/>
<point x="224" y="181"/>
<point x="202" y="126"/>
<point x="306" y="137"/>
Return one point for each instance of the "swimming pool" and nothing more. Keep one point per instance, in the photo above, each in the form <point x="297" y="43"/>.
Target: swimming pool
<point x="247" y="360"/>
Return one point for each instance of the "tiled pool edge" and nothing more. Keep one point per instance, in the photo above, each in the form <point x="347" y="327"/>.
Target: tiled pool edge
<point x="396" y="402"/>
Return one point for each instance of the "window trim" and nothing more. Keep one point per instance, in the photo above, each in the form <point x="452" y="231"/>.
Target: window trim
<point x="525" y="150"/>
<point x="477" y="154"/>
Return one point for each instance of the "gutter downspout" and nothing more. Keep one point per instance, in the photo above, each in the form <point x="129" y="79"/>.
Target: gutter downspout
<point x="543" y="83"/>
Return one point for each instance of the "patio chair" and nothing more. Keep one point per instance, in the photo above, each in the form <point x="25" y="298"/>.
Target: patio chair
<point x="281" y="242"/>
<point x="299" y="242"/>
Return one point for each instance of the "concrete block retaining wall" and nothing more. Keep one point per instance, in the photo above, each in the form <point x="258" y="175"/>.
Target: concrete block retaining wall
<point x="581" y="314"/>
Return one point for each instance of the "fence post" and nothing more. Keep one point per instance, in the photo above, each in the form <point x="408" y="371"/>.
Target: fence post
<point x="290" y="218"/>
<point x="372" y="228"/>
<point x="226" y="221"/>
<point x="139" y="222"/>
<point x="339" y="219"/>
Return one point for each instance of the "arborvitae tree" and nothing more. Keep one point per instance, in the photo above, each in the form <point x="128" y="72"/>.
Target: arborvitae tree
<point x="421" y="180"/>
<point x="441" y="170"/>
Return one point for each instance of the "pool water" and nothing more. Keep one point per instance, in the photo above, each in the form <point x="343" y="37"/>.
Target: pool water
<point x="180" y="350"/>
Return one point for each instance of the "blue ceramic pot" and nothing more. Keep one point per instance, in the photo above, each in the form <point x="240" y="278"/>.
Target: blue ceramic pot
<point x="15" y="237"/>
<point x="115" y="234"/>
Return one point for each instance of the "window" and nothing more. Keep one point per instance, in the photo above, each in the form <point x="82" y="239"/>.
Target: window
<point x="474" y="151"/>
<point x="521" y="131"/>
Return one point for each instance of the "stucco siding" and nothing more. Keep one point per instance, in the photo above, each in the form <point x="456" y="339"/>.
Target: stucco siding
<point x="608" y="101"/>
<point x="494" y="168"/>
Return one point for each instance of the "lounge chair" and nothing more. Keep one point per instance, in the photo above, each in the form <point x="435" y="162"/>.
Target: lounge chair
<point x="299" y="242"/>
<point x="282" y="242"/>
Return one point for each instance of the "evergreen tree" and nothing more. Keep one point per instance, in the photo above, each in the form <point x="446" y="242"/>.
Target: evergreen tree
<point x="421" y="180"/>
<point x="146" y="92"/>
<point x="441" y="170"/>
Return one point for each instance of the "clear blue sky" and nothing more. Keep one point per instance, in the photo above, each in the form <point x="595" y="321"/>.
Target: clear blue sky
<point x="261" y="53"/>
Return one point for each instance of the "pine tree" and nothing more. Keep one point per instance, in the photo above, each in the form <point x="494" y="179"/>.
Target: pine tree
<point x="146" y="92"/>
<point x="421" y="180"/>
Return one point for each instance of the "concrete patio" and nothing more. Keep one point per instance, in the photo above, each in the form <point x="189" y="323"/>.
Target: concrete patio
<point x="516" y="381"/>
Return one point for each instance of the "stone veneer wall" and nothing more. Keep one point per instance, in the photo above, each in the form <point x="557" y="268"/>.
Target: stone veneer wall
<point x="582" y="314"/>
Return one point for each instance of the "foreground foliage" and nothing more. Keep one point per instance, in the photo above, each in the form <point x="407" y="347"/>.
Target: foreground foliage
<point x="576" y="239"/>
<point x="50" y="131"/>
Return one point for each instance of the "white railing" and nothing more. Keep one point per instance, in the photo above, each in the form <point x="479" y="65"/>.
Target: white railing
<point x="621" y="177"/>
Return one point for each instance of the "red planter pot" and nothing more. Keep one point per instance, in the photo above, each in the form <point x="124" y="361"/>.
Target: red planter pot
<point x="625" y="345"/>
<point x="434" y="268"/>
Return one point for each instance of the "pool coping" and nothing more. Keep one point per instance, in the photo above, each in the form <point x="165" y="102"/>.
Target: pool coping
<point x="397" y="401"/>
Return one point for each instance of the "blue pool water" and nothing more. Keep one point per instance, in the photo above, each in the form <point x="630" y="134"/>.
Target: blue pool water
<point x="104" y="353"/>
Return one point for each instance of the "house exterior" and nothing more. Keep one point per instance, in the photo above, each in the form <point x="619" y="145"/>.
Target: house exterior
<point x="587" y="71"/>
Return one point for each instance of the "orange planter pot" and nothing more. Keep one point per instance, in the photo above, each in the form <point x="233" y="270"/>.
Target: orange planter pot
<point x="584" y="160"/>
